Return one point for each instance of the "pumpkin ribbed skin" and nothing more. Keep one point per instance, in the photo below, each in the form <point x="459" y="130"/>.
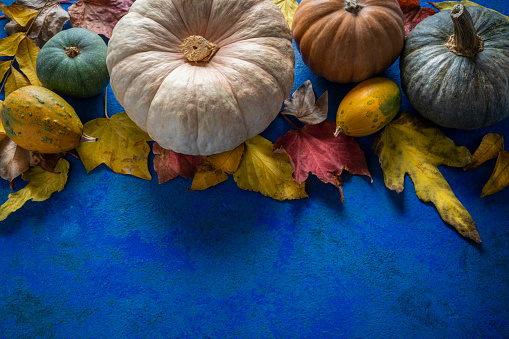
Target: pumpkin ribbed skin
<point x="39" y="120"/>
<point x="342" y="46"/>
<point x="368" y="107"/>
<point x="458" y="91"/>
<point x="80" y="76"/>
<point x="201" y="107"/>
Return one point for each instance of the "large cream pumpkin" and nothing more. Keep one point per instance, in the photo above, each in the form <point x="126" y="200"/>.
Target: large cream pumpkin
<point x="201" y="77"/>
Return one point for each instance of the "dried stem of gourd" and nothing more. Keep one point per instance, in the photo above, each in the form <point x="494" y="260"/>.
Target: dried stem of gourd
<point x="87" y="138"/>
<point x="197" y="48"/>
<point x="464" y="41"/>
<point x="338" y="130"/>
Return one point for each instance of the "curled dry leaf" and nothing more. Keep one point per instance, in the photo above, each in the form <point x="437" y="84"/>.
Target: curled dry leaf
<point x="491" y="145"/>
<point x="414" y="13"/>
<point x="267" y="172"/>
<point x="441" y="6"/>
<point x="499" y="179"/>
<point x="302" y="105"/>
<point x="169" y="164"/>
<point x="215" y="168"/>
<point x="413" y="145"/>
<point x="49" y="21"/>
<point x="315" y="149"/>
<point x="41" y="185"/>
<point x="121" y="145"/>
<point x="21" y="15"/>
<point x="15" y="160"/>
<point x="288" y="7"/>
<point x="99" y="16"/>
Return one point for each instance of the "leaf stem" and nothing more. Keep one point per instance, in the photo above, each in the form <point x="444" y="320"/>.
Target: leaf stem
<point x="291" y="123"/>
<point x="106" y="103"/>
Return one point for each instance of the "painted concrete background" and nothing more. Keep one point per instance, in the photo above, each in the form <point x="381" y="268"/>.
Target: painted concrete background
<point x="114" y="256"/>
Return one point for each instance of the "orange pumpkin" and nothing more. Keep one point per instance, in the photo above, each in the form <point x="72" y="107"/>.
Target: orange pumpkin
<point x="348" y="40"/>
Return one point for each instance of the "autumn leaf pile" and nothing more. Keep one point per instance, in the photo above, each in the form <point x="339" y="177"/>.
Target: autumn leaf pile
<point x="408" y="145"/>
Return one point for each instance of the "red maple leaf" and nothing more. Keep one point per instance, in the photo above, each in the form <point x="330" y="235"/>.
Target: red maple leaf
<point x="169" y="164"/>
<point x="315" y="149"/>
<point x="414" y="13"/>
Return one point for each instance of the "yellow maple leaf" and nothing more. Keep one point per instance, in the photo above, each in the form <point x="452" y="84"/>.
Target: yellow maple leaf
<point x="41" y="184"/>
<point x="121" y="145"/>
<point x="14" y="81"/>
<point x="215" y="168"/>
<point x="267" y="172"/>
<point x="442" y="6"/>
<point x="491" y="145"/>
<point x="499" y="179"/>
<point x="21" y="15"/>
<point x="413" y="145"/>
<point x="288" y="7"/>
<point x="26" y="56"/>
<point x="9" y="46"/>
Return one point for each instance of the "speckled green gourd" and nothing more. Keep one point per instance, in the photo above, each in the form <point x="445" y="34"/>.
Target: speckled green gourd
<point x="368" y="107"/>
<point x="39" y="120"/>
<point x="73" y="63"/>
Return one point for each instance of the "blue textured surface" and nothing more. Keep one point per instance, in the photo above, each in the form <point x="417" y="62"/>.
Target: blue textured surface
<point x="114" y="256"/>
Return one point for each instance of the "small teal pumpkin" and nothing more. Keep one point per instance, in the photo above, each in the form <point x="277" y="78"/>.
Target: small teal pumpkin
<point x="455" y="68"/>
<point x="73" y="63"/>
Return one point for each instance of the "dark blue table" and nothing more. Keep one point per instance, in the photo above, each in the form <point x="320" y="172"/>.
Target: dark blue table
<point x="115" y="256"/>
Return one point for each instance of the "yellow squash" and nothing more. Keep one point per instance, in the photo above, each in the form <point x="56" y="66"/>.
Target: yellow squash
<point x="39" y="120"/>
<point x="368" y="107"/>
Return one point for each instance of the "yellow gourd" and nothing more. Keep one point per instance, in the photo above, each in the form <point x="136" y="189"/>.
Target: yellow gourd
<point x="368" y="107"/>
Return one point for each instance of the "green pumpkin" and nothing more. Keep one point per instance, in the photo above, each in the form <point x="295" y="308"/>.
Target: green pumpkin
<point x="73" y="63"/>
<point x="455" y="68"/>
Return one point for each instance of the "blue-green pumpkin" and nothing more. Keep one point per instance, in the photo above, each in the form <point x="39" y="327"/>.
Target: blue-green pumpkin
<point x="73" y="63"/>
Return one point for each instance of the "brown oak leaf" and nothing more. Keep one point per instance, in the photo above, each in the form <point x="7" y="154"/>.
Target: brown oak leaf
<point x="169" y="164"/>
<point x="314" y="149"/>
<point x="49" y="21"/>
<point x="99" y="16"/>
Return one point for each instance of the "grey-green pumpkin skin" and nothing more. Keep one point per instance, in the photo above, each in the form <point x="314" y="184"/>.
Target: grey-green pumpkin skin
<point x="457" y="91"/>
<point x="83" y="76"/>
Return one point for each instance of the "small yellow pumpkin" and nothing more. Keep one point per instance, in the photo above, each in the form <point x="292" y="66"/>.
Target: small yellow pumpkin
<point x="368" y="107"/>
<point x="39" y="120"/>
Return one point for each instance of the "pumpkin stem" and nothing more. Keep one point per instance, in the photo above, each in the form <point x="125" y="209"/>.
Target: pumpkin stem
<point x="197" y="48"/>
<point x="352" y="6"/>
<point x="464" y="41"/>
<point x="72" y="51"/>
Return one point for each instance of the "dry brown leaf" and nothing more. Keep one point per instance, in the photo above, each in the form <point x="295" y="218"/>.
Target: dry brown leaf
<point x="49" y="21"/>
<point x="99" y="16"/>
<point x="14" y="160"/>
<point x="500" y="177"/>
<point x="491" y="145"/>
<point x="303" y="105"/>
